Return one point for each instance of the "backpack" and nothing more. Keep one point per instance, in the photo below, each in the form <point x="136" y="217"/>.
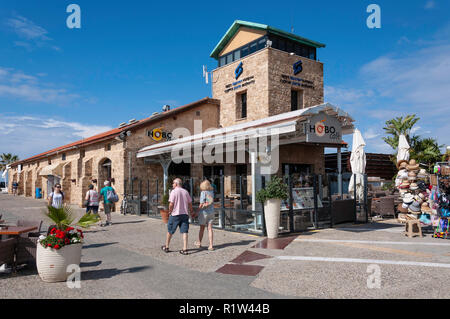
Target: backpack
<point x="112" y="196"/>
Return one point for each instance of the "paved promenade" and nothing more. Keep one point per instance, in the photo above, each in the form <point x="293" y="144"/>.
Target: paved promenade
<point x="125" y="261"/>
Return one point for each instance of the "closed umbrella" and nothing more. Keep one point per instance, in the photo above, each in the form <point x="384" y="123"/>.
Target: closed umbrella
<point x="358" y="163"/>
<point x="403" y="149"/>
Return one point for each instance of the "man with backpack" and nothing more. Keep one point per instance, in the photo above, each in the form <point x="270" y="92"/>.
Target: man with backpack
<point x="109" y="198"/>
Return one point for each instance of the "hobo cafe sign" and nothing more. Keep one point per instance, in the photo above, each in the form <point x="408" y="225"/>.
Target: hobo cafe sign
<point x="322" y="128"/>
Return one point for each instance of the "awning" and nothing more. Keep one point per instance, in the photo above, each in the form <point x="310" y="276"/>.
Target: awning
<point x="284" y="124"/>
<point x="54" y="169"/>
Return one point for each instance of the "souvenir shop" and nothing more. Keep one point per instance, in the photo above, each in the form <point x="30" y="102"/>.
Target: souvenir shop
<point x="424" y="196"/>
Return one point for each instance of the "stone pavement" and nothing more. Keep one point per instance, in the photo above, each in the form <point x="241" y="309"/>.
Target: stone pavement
<point x="125" y="261"/>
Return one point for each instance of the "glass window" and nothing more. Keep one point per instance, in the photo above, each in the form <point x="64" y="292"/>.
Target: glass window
<point x="244" y="51"/>
<point x="63" y="157"/>
<point x="243" y="105"/>
<point x="253" y="47"/>
<point x="298" y="49"/>
<point x="262" y="43"/>
<point x="282" y="44"/>
<point x="312" y="53"/>
<point x="294" y="100"/>
<point x="237" y="55"/>
<point x="229" y="58"/>
<point x="222" y="61"/>
<point x="289" y="46"/>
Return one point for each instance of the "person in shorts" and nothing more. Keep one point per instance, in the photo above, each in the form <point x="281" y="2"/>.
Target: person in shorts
<point x="180" y="206"/>
<point x="92" y="198"/>
<point x="15" y="186"/>
<point x="107" y="205"/>
<point x="206" y="214"/>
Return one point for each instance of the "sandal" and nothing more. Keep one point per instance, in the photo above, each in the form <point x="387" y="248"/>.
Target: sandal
<point x="184" y="252"/>
<point x="165" y="249"/>
<point x="210" y="248"/>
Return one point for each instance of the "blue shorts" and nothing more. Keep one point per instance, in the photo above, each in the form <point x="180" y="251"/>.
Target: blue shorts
<point x="178" y="220"/>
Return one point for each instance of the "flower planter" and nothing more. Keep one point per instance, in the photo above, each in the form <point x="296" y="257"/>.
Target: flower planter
<point x="272" y="216"/>
<point x="52" y="263"/>
<point x="164" y="215"/>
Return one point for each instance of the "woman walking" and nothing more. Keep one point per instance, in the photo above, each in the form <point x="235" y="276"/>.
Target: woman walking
<point x="56" y="198"/>
<point x="206" y="215"/>
<point x="92" y="200"/>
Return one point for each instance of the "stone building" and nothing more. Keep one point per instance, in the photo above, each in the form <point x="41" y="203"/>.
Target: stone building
<point x="267" y="80"/>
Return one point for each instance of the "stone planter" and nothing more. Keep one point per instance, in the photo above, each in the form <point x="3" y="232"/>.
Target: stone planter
<point x="272" y="216"/>
<point x="52" y="263"/>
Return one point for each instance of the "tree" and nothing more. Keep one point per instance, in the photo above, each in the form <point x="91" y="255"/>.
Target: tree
<point x="6" y="159"/>
<point x="426" y="151"/>
<point x="398" y="126"/>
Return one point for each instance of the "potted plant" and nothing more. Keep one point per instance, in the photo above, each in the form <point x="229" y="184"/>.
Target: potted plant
<point x="271" y="197"/>
<point x="62" y="245"/>
<point x="164" y="208"/>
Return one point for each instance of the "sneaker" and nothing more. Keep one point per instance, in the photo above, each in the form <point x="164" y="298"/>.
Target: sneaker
<point x="109" y="223"/>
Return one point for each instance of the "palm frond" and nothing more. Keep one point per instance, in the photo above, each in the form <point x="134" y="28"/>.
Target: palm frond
<point x="87" y="220"/>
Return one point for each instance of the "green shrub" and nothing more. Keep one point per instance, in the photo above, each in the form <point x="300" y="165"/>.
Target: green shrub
<point x="275" y="188"/>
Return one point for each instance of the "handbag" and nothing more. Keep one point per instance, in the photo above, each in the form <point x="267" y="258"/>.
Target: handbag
<point x="86" y="202"/>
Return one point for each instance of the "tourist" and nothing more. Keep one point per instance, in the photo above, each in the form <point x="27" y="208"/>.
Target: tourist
<point x="180" y="205"/>
<point x="206" y="215"/>
<point x="107" y="204"/>
<point x="92" y="201"/>
<point x="15" y="186"/>
<point x="56" y="197"/>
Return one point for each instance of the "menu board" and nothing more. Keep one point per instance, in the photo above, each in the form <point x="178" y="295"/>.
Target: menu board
<point x="302" y="198"/>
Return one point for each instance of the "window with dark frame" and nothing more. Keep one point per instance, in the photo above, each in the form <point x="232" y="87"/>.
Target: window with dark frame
<point x="63" y="157"/>
<point x="243" y="105"/>
<point x="294" y="100"/>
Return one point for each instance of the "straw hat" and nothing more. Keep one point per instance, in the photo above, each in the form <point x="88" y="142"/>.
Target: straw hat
<point x="404" y="184"/>
<point x="422" y="173"/>
<point x="403" y="173"/>
<point x="413" y="186"/>
<point x="414" y="208"/>
<point x="425" y="208"/>
<point x="401" y="165"/>
<point x="408" y="198"/>
<point x="412" y="165"/>
<point x="402" y="209"/>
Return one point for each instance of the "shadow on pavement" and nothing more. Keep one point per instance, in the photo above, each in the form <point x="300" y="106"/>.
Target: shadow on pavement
<point x="99" y="245"/>
<point x="109" y="273"/>
<point x="90" y="264"/>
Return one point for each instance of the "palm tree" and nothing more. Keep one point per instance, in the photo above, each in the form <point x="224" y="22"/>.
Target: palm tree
<point x="398" y="126"/>
<point x="426" y="151"/>
<point x="6" y="159"/>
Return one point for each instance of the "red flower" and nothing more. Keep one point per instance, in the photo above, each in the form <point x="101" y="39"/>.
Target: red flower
<point x="53" y="231"/>
<point x="66" y="241"/>
<point x="56" y="246"/>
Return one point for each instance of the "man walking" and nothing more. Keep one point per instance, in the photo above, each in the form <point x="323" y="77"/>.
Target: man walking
<point x="107" y="205"/>
<point x="180" y="205"/>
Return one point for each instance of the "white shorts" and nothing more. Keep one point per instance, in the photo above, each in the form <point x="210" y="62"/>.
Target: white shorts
<point x="205" y="218"/>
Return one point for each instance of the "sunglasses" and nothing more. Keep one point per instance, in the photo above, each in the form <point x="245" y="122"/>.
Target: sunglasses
<point x="58" y="186"/>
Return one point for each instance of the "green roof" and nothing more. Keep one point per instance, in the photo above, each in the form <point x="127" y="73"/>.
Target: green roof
<point x="258" y="26"/>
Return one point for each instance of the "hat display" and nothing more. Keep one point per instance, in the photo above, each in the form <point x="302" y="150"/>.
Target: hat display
<point x="402" y="209"/>
<point x="412" y="165"/>
<point x="404" y="184"/>
<point x="414" y="208"/>
<point x="422" y="173"/>
<point x="402" y="164"/>
<point x="408" y="198"/>
<point x="425" y="208"/>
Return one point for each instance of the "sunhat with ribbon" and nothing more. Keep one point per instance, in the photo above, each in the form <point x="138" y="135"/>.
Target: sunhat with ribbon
<point x="408" y="198"/>
<point x="412" y="165"/>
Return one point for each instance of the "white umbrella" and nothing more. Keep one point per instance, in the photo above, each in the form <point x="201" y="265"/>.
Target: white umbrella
<point x="358" y="163"/>
<point x="402" y="155"/>
<point x="403" y="149"/>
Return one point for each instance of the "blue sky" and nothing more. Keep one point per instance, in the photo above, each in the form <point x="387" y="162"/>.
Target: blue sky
<point x="58" y="85"/>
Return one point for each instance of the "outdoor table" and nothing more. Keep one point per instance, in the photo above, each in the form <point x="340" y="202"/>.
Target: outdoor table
<point x="16" y="231"/>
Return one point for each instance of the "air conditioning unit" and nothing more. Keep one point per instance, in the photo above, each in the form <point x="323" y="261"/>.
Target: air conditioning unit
<point x="166" y="108"/>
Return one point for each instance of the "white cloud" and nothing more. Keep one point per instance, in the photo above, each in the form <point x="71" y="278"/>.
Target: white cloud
<point x="31" y="34"/>
<point x="30" y="135"/>
<point x="370" y="134"/>
<point x="16" y="84"/>
<point x="430" y="4"/>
